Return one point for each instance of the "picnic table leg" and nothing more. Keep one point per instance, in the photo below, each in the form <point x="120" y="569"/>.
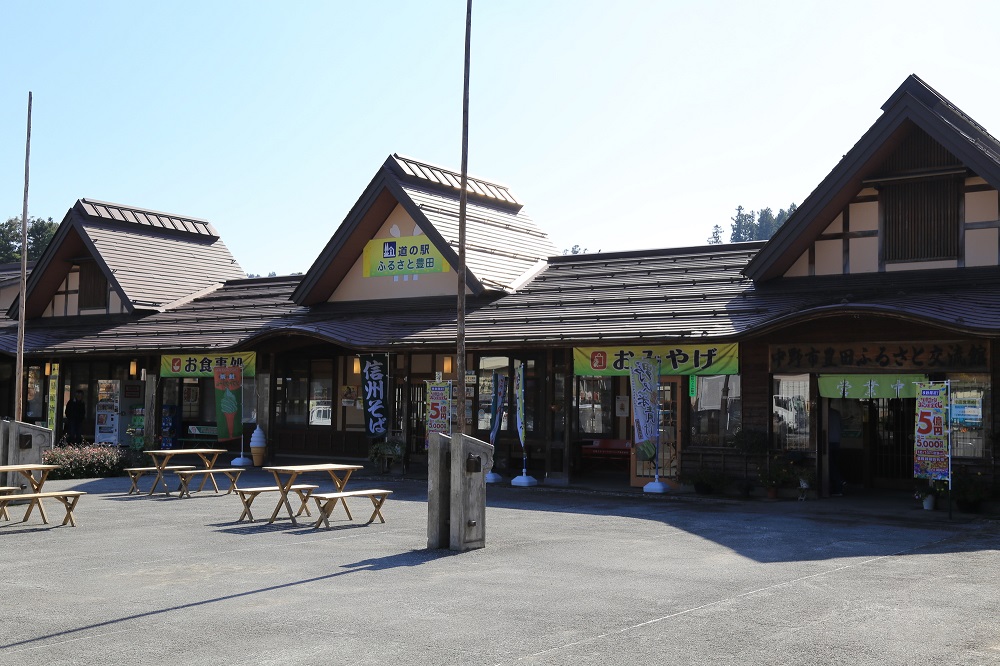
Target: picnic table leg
<point x="283" y="500"/>
<point x="209" y="464"/>
<point x="36" y="487"/>
<point x="377" y="502"/>
<point x="304" y="502"/>
<point x="70" y="504"/>
<point x="340" y="488"/>
<point x="324" y="509"/>
<point x="247" y="499"/>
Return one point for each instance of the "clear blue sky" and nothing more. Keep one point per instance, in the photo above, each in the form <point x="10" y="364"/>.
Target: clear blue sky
<point x="619" y="124"/>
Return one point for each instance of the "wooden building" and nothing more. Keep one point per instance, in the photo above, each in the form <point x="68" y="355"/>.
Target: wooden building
<point x="885" y="275"/>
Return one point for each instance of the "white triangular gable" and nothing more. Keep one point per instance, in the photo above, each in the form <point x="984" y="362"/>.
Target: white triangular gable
<point x="356" y="287"/>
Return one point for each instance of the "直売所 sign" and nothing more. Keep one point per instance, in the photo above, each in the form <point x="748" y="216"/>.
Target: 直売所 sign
<point x="407" y="255"/>
<point x="707" y="359"/>
<point x="201" y="364"/>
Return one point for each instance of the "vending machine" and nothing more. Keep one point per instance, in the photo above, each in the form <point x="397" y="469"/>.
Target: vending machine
<point x="108" y="414"/>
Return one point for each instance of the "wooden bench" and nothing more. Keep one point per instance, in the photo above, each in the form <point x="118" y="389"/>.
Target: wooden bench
<point x="69" y="498"/>
<point x="248" y="495"/>
<point x="135" y="473"/>
<point x="327" y="502"/>
<point x="185" y="475"/>
<point x="5" y="490"/>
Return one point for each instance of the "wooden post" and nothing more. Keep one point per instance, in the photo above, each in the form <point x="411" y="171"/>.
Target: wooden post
<point x="19" y="373"/>
<point x="459" y="399"/>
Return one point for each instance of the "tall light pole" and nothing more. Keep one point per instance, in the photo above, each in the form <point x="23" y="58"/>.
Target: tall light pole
<point x="462" y="201"/>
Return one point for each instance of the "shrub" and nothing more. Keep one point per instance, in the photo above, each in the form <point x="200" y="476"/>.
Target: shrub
<point x="84" y="462"/>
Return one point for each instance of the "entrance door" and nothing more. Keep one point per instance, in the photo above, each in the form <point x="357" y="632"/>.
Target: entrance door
<point x="890" y="441"/>
<point x="642" y="469"/>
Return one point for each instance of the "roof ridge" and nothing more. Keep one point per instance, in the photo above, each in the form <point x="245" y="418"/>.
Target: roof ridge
<point x="442" y="176"/>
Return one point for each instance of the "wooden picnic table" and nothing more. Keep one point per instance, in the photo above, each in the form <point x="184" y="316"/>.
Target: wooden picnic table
<point x="27" y="471"/>
<point x="161" y="458"/>
<point x="285" y="476"/>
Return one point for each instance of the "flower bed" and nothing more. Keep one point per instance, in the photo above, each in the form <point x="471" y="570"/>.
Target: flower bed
<point x="84" y="462"/>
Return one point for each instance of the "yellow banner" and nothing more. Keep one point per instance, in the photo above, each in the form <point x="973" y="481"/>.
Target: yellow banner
<point x="203" y="364"/>
<point x="406" y="255"/>
<point x="706" y="359"/>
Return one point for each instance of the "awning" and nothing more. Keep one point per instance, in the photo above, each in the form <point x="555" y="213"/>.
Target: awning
<point x="862" y="387"/>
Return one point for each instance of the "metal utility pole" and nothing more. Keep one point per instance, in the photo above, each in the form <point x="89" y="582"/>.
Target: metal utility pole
<point x="459" y="399"/>
<point x="19" y="373"/>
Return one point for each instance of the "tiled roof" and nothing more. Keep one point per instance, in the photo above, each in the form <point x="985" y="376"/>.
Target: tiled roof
<point x="503" y="245"/>
<point x="663" y="296"/>
<point x="435" y="175"/>
<point x="150" y="218"/>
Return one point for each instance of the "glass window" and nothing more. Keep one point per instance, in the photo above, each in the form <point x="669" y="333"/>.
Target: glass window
<point x="790" y="412"/>
<point x="321" y="393"/>
<point x="487" y="366"/>
<point x="595" y="402"/>
<point x="716" y="410"/>
<point x="971" y="395"/>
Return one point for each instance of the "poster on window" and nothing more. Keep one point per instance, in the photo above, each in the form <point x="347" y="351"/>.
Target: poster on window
<point x="932" y="443"/>
<point x="229" y="401"/>
<point x="108" y="410"/>
<point x="373" y="372"/>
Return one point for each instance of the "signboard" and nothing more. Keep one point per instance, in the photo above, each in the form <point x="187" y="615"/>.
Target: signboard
<point x="866" y="387"/>
<point x="644" y="380"/>
<point x="406" y="255"/>
<point x="931" y="445"/>
<point x="108" y="411"/>
<point x="54" y="400"/>
<point x="438" y="407"/>
<point x="373" y="369"/>
<point x="519" y="401"/>
<point x="707" y="359"/>
<point x="203" y="364"/>
<point x="499" y="405"/>
<point x="229" y="402"/>
<point x="881" y="356"/>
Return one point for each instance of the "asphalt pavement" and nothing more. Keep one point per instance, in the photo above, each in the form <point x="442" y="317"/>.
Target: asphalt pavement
<point x="568" y="576"/>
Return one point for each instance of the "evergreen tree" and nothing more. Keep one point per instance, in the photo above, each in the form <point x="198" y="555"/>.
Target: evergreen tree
<point x="744" y="226"/>
<point x="40" y="232"/>
<point x="766" y="224"/>
<point x="716" y="237"/>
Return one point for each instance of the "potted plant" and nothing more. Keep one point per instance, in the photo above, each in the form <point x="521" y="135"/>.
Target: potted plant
<point x="387" y="450"/>
<point x="927" y="492"/>
<point x="774" y="476"/>
<point x="969" y="490"/>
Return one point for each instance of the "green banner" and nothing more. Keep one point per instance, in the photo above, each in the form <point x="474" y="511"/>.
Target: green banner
<point x="203" y="364"/>
<point x="706" y="359"/>
<point x="865" y="387"/>
<point x="407" y="255"/>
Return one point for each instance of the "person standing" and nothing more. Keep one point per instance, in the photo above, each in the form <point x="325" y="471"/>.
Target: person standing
<point x="76" y="411"/>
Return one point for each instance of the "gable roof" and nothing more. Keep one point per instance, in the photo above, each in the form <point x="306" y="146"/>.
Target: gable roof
<point x="503" y="247"/>
<point x="914" y="104"/>
<point x="152" y="260"/>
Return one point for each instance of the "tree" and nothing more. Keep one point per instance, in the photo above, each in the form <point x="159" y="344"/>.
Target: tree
<point x="575" y="250"/>
<point x="716" y="237"/>
<point x="40" y="232"/>
<point x="744" y="226"/>
<point x="766" y="225"/>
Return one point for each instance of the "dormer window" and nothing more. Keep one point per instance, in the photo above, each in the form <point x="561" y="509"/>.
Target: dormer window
<point x="922" y="219"/>
<point x="93" y="286"/>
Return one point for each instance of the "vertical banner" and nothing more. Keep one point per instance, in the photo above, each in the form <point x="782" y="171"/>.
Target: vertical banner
<point x="438" y="408"/>
<point x="643" y="377"/>
<point x="499" y="405"/>
<point x="519" y="401"/>
<point x="55" y="400"/>
<point x="373" y="369"/>
<point x="932" y="443"/>
<point x="229" y="401"/>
